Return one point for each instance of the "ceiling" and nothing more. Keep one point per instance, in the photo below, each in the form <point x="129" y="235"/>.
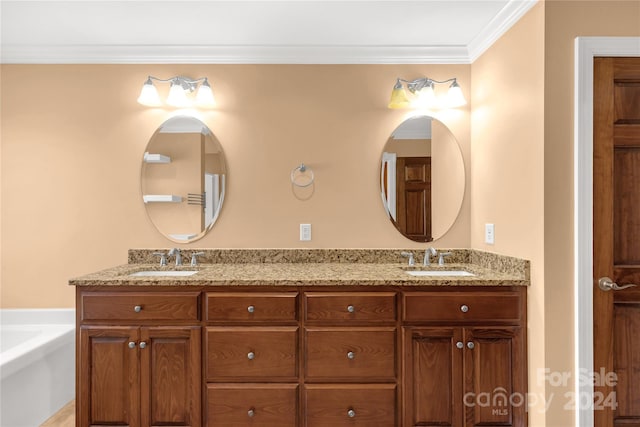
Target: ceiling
<point x="259" y="31"/>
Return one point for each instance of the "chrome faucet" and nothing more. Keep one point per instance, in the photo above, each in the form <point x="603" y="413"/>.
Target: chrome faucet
<point x="163" y="258"/>
<point x="194" y="258"/>
<point x="441" y="257"/>
<point x="412" y="261"/>
<point x="176" y="252"/>
<point x="428" y="253"/>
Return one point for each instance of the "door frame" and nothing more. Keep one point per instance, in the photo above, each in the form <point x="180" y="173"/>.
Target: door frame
<point x="587" y="48"/>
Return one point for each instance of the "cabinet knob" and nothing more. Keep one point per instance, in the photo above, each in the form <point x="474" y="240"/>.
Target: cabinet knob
<point x="351" y="413"/>
<point x="132" y="344"/>
<point x="251" y="309"/>
<point x="351" y="309"/>
<point x="459" y="344"/>
<point x="464" y="308"/>
<point x="143" y="344"/>
<point x="351" y="355"/>
<point x="251" y="355"/>
<point x="470" y="345"/>
<point x="137" y="308"/>
<point x="251" y="412"/>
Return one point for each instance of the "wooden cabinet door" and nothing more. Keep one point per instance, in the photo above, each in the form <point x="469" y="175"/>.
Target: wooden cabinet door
<point x="495" y="377"/>
<point x="468" y="377"/>
<point x="170" y="376"/>
<point x="432" y="377"/>
<point x="109" y="393"/>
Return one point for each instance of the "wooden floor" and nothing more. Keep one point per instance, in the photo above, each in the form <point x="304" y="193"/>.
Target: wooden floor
<point x="65" y="417"/>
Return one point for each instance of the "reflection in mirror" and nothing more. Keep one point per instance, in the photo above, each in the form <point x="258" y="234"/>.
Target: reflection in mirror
<point x="422" y="178"/>
<point x="183" y="179"/>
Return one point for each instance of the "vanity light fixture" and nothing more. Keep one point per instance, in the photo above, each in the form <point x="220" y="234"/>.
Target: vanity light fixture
<point x="424" y="95"/>
<point x="181" y="88"/>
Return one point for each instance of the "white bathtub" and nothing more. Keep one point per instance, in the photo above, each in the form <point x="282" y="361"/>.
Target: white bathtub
<point x="37" y="364"/>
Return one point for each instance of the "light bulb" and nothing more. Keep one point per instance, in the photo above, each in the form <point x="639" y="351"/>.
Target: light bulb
<point x="204" y="96"/>
<point x="149" y="95"/>
<point x="455" y="98"/>
<point x="398" y="97"/>
<point x="177" y="96"/>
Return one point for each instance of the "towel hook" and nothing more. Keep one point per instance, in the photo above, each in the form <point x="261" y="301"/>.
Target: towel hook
<point x="299" y="172"/>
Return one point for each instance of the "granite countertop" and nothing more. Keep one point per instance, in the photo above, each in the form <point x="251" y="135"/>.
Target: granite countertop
<point x="308" y="273"/>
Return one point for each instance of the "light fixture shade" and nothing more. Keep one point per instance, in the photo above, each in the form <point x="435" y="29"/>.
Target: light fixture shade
<point x="177" y="96"/>
<point x="398" y="97"/>
<point x="426" y="97"/>
<point x="455" y="98"/>
<point x="149" y="95"/>
<point x="204" y="96"/>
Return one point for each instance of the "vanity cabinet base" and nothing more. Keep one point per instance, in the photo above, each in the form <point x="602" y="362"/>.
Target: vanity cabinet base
<point x="321" y="356"/>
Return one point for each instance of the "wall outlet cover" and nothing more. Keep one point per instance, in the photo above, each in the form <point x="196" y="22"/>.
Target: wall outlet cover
<point x="305" y="232"/>
<point x="489" y="234"/>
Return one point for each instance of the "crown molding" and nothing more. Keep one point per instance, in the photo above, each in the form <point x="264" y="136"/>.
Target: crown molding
<point x="500" y="24"/>
<point x="232" y="54"/>
<point x="98" y="53"/>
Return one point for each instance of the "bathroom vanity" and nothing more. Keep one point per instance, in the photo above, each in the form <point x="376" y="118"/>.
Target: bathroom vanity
<point x="314" y="338"/>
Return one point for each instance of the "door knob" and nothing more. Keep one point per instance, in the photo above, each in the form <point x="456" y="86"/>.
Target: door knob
<point x="606" y="284"/>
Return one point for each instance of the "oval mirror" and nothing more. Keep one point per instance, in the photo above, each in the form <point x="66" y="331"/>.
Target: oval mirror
<point x="422" y="178"/>
<point x="183" y="179"/>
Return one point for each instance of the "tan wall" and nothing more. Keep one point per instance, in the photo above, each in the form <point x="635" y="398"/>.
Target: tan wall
<point x="507" y="170"/>
<point x="447" y="179"/>
<point x="74" y="136"/>
<point x="566" y="20"/>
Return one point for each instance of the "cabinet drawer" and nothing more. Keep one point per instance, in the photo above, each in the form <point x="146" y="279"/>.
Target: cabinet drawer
<point x="458" y="307"/>
<point x="125" y="306"/>
<point x="370" y="405"/>
<point x="251" y="306"/>
<point x="264" y="405"/>
<point x="355" y="306"/>
<point x="240" y="353"/>
<point x="363" y="354"/>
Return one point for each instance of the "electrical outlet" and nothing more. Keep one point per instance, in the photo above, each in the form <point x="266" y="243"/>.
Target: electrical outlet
<point x="305" y="232"/>
<point x="489" y="234"/>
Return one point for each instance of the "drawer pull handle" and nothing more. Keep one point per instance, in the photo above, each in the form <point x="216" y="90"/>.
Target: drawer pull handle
<point x="464" y="308"/>
<point x="251" y="412"/>
<point x="459" y="344"/>
<point x="251" y="355"/>
<point x="351" y="355"/>
<point x="351" y="413"/>
<point x="251" y="309"/>
<point x="471" y="345"/>
<point x="143" y="344"/>
<point x="132" y="344"/>
<point x="351" y="309"/>
<point x="137" y="308"/>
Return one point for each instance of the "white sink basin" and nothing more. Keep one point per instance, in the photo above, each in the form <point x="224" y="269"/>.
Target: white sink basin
<point x="439" y="273"/>
<point x="160" y="273"/>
